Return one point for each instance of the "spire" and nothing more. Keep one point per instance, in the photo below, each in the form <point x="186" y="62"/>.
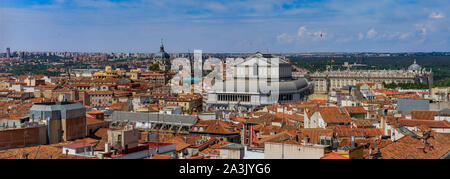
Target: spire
<point x="415" y="61"/>
<point x="162" y="46"/>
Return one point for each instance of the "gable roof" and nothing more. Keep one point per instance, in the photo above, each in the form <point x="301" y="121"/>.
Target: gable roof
<point x="423" y="114"/>
<point x="280" y="137"/>
<point x="427" y="123"/>
<point x="354" y="109"/>
<point x="314" y="134"/>
<point x="334" y="115"/>
<point x="408" y="147"/>
<point x="179" y="143"/>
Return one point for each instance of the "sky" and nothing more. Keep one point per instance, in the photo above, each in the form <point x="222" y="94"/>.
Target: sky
<point x="225" y="26"/>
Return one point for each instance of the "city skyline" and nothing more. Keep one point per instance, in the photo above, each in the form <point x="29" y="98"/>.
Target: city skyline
<point x="287" y="26"/>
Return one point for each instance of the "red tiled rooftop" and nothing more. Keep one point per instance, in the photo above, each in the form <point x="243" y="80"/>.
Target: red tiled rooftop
<point x="423" y="114"/>
<point x="161" y="157"/>
<point x="78" y="145"/>
<point x="333" y="155"/>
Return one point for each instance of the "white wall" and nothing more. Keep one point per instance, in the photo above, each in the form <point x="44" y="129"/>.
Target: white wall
<point x="292" y="151"/>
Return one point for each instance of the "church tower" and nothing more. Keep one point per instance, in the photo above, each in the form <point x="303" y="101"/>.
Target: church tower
<point x="162" y="59"/>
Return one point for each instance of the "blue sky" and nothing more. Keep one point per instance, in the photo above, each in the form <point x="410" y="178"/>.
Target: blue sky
<point x="225" y="26"/>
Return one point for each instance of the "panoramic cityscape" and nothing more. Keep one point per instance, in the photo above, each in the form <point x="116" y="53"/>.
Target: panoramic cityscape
<point x="104" y="79"/>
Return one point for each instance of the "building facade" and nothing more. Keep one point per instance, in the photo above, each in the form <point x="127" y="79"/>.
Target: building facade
<point x="162" y="59"/>
<point x="325" y="82"/>
<point x="65" y="120"/>
<point x="262" y="79"/>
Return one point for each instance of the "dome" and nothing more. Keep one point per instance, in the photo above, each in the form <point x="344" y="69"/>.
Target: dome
<point x="162" y="54"/>
<point x="415" y="67"/>
<point x="294" y="85"/>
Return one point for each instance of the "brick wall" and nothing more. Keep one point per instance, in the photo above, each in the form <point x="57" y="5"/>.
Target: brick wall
<point x="20" y="137"/>
<point x="74" y="128"/>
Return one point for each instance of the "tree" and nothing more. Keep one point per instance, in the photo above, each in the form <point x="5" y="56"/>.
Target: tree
<point x="154" y="67"/>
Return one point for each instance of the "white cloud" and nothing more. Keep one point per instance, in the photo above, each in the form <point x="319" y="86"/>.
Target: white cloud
<point x="371" y="34"/>
<point x="360" y="36"/>
<point x="436" y="15"/>
<point x="304" y="35"/>
<point x="301" y="31"/>
<point x="404" y="36"/>
<point x="374" y="35"/>
<point x="284" y="38"/>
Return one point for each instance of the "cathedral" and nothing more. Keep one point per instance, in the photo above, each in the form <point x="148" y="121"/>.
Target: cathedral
<point x="162" y="59"/>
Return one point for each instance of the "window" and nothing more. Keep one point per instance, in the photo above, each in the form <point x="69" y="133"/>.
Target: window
<point x="255" y="70"/>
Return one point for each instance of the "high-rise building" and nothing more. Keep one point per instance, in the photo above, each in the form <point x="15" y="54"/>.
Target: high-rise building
<point x="8" y="52"/>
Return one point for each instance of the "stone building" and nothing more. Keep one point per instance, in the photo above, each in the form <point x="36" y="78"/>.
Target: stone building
<point x="162" y="59"/>
<point x="325" y="82"/>
<point x="65" y="120"/>
<point x="262" y="79"/>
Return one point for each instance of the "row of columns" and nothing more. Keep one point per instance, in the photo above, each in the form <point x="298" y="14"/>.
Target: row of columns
<point x="233" y="97"/>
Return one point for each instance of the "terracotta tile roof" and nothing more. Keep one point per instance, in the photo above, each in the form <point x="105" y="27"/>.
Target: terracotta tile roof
<point x="101" y="133"/>
<point x="334" y="115"/>
<point x="366" y="142"/>
<point x="294" y="117"/>
<point x="423" y="114"/>
<point x="416" y="123"/>
<point x="354" y="109"/>
<point x="93" y="121"/>
<point x="411" y="148"/>
<point x="333" y="155"/>
<point x="362" y="123"/>
<point x="78" y="145"/>
<point x="267" y="130"/>
<point x="348" y="132"/>
<point x="53" y="151"/>
<point x="179" y="143"/>
<point x="280" y="137"/>
<point x="101" y="144"/>
<point x="99" y="92"/>
<point x="314" y="134"/>
<point x="87" y="140"/>
<point x="214" y="127"/>
<point x="161" y="157"/>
